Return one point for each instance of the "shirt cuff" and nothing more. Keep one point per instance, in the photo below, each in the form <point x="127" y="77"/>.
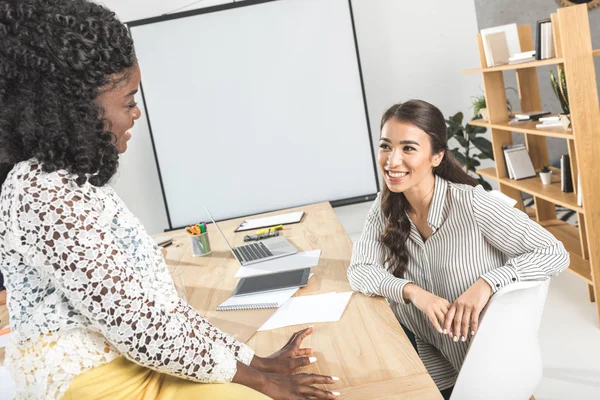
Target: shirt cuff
<point x="500" y="277"/>
<point x="245" y="354"/>
<point x="392" y="287"/>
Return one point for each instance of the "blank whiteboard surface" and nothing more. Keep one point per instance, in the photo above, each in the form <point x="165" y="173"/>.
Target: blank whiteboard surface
<point x="256" y="108"/>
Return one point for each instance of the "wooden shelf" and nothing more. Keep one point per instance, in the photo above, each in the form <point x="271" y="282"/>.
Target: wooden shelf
<point x="510" y="67"/>
<point x="569" y="236"/>
<point x="534" y="187"/>
<point x="571" y="31"/>
<point x="525" y="127"/>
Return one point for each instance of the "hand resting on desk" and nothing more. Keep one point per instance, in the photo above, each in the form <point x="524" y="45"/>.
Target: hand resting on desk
<point x="272" y="375"/>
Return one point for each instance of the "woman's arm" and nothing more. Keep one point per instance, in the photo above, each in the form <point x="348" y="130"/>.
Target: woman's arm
<point x="366" y="272"/>
<point x="69" y="237"/>
<point x="534" y="254"/>
<point x="240" y="351"/>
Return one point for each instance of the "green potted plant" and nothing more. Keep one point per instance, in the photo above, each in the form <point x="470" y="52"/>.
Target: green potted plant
<point x="559" y="85"/>
<point x="479" y="107"/>
<point x="469" y="140"/>
<point x="480" y="110"/>
<point x="546" y="175"/>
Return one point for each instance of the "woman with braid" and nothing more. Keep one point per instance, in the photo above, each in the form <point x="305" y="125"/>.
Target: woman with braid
<point x="438" y="246"/>
<point x="93" y="308"/>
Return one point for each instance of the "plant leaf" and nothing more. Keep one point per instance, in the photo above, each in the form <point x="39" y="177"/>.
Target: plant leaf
<point x="484" y="145"/>
<point x="484" y="183"/>
<point x="458" y="118"/>
<point x="473" y="162"/>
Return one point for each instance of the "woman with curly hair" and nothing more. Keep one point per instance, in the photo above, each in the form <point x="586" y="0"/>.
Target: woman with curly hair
<point x="92" y="304"/>
<point x="437" y="246"/>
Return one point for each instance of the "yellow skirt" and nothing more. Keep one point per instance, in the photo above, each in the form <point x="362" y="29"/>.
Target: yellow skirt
<point x="123" y="379"/>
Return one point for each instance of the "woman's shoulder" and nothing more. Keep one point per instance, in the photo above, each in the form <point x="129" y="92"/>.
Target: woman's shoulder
<point x="29" y="179"/>
<point x="462" y="187"/>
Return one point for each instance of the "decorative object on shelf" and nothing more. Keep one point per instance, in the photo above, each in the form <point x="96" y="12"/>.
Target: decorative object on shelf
<point x="555" y="121"/>
<point x="546" y="175"/>
<point x="590" y="3"/>
<point x="467" y="137"/>
<point x="560" y="88"/>
<point x="566" y="181"/>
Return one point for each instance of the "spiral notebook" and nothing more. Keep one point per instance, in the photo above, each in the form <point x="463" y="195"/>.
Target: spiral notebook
<point x="257" y="301"/>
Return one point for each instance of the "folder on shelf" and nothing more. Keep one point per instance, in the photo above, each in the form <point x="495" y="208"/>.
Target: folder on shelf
<point x="509" y="169"/>
<point x="512" y="40"/>
<point x="520" y="162"/>
<point x="498" y="48"/>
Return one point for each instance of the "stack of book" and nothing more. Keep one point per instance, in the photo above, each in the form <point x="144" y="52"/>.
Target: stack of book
<point x="544" y="45"/>
<point x="554" y="121"/>
<point x="518" y="162"/>
<point x="530" y="116"/>
<point x="522" y="57"/>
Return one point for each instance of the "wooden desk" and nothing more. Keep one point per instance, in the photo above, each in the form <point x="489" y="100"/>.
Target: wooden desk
<point x="366" y="349"/>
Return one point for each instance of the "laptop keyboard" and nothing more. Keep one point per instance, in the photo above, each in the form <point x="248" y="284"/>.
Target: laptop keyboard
<point x="251" y="252"/>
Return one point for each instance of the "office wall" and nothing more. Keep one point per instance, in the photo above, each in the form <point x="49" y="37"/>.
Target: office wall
<point x="499" y="12"/>
<point x="407" y="51"/>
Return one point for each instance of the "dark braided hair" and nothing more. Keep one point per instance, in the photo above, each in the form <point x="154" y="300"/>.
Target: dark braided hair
<point x="394" y="206"/>
<point x="55" y="58"/>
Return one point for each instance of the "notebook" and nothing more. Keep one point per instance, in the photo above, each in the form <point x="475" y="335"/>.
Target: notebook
<point x="257" y="301"/>
<point x="257" y="223"/>
<point x="509" y="168"/>
<point x="519" y="161"/>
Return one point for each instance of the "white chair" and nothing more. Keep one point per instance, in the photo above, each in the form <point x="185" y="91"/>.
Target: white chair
<point x="504" y="361"/>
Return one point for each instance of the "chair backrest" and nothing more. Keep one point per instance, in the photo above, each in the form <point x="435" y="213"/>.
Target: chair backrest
<point x="504" y="361"/>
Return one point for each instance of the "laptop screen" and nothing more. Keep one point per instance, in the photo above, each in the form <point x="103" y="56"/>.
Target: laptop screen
<point x="219" y="229"/>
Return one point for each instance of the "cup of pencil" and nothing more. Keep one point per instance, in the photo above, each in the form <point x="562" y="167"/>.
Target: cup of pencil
<point x="199" y="237"/>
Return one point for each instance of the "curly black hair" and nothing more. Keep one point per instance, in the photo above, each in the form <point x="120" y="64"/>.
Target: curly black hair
<point x="55" y="58"/>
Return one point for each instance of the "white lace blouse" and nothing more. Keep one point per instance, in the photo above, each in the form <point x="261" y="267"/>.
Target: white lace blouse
<point x="86" y="284"/>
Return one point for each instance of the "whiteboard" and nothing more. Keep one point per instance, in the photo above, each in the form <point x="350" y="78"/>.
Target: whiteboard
<point x="255" y="106"/>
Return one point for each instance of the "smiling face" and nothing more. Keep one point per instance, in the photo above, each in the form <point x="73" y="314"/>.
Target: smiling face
<point x="119" y="106"/>
<point x="405" y="156"/>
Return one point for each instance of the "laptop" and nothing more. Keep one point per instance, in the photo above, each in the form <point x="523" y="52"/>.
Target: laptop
<point x="264" y="250"/>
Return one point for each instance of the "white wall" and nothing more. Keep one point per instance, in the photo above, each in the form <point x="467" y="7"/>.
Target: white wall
<point x="408" y="50"/>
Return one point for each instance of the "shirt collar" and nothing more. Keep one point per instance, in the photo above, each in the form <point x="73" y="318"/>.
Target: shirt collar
<point x="436" y="208"/>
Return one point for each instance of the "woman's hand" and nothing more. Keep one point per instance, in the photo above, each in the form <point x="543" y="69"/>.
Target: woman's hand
<point x="284" y="387"/>
<point x="431" y="305"/>
<point x="297" y="387"/>
<point x="464" y="313"/>
<point x="290" y="357"/>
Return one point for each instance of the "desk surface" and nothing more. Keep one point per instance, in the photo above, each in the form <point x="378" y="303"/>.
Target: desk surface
<point x="366" y="349"/>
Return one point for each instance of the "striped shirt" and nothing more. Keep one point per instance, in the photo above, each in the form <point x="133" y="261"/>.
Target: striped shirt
<point x="475" y="235"/>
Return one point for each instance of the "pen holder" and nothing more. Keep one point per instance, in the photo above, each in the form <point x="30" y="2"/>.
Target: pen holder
<point x="200" y="245"/>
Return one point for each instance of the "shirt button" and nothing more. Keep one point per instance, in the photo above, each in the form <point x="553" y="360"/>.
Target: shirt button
<point x="497" y="285"/>
<point x="514" y="279"/>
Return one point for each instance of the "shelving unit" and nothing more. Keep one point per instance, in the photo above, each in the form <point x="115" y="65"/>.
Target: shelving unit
<point x="574" y="52"/>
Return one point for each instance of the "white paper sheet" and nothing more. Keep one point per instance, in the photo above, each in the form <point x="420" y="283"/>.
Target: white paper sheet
<point x="305" y="259"/>
<point x="327" y="307"/>
<point x="283" y="219"/>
